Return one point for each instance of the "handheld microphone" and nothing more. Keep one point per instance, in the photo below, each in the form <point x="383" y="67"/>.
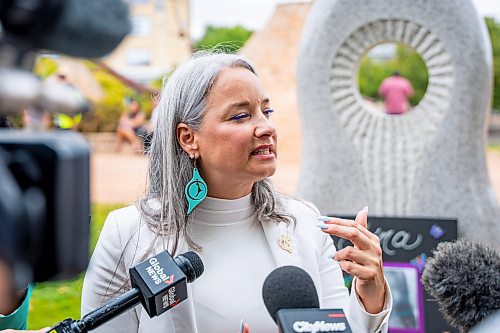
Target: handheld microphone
<point x="292" y="301"/>
<point x="159" y="283"/>
<point x="464" y="278"/>
<point x="89" y="29"/>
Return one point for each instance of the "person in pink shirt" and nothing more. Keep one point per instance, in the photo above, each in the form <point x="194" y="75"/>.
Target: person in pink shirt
<point x="396" y="90"/>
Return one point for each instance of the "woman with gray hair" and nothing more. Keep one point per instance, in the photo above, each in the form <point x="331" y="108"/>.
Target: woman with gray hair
<point x="212" y="152"/>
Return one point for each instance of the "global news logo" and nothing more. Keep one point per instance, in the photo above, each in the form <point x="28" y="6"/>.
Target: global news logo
<point x="155" y="271"/>
<point x="170" y="298"/>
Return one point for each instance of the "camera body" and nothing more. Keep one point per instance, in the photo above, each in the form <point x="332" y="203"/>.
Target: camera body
<point x="44" y="204"/>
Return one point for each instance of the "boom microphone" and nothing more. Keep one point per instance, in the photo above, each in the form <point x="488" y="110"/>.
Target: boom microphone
<point x="91" y="28"/>
<point x="159" y="283"/>
<point x="464" y="278"/>
<point x="292" y="301"/>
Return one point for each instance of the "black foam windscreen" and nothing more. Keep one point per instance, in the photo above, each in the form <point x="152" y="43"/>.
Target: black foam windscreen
<point x="88" y="28"/>
<point x="289" y="287"/>
<point x="191" y="264"/>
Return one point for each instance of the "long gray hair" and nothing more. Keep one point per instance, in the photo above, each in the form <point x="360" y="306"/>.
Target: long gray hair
<point x="183" y="100"/>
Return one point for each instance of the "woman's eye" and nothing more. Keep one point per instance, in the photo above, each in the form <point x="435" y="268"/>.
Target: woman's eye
<point x="268" y="112"/>
<point x="240" y="116"/>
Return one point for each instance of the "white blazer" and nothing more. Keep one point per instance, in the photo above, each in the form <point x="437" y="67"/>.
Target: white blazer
<point x="125" y="241"/>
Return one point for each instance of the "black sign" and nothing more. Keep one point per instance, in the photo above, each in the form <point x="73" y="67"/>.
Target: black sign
<point x="406" y="244"/>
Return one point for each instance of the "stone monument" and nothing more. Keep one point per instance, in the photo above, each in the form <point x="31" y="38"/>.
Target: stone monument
<point x="429" y="162"/>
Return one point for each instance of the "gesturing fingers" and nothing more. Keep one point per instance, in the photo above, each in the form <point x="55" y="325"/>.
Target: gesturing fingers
<point x="364" y="273"/>
<point x="362" y="217"/>
<point x="348" y="223"/>
<point x="354" y="234"/>
<point x="356" y="255"/>
<point x="348" y="229"/>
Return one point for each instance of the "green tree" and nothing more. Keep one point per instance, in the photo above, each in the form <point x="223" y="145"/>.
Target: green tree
<point x="406" y="60"/>
<point x="494" y="29"/>
<point x="229" y="39"/>
<point x="105" y="114"/>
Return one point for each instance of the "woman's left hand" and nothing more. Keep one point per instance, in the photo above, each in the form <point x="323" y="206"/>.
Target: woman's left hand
<point x="363" y="260"/>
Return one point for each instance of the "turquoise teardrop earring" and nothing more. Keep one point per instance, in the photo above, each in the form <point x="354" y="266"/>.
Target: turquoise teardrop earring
<point x="196" y="189"/>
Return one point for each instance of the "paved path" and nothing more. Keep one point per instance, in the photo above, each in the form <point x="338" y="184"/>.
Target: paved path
<point x="121" y="178"/>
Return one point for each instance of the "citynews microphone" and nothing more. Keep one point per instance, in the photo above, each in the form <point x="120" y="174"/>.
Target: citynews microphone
<point x="89" y="29"/>
<point x="464" y="278"/>
<point x="159" y="284"/>
<point x="292" y="301"/>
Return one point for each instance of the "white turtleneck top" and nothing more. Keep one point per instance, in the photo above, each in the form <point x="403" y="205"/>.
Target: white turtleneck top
<point x="232" y="240"/>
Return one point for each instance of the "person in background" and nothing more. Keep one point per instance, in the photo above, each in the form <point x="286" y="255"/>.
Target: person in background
<point x="150" y="127"/>
<point x="34" y="119"/>
<point x="396" y="90"/>
<point x="65" y="121"/>
<point x="214" y="148"/>
<point x="131" y="127"/>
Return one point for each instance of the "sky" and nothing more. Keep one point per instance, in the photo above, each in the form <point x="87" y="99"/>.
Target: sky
<point x="254" y="14"/>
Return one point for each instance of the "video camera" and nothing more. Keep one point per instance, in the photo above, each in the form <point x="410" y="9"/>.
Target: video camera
<point x="44" y="204"/>
<point x="44" y="176"/>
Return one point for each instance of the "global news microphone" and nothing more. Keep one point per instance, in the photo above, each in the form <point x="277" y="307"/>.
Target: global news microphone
<point x="212" y="153"/>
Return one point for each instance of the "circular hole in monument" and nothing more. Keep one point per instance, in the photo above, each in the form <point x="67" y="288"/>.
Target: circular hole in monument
<point x="392" y="78"/>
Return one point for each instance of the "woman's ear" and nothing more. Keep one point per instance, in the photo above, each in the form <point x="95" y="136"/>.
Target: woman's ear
<point x="187" y="139"/>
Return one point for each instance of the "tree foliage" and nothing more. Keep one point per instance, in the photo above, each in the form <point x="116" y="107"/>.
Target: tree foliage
<point x="105" y="114"/>
<point x="228" y="39"/>
<point x="494" y="29"/>
<point x="45" y="67"/>
<point x="406" y="60"/>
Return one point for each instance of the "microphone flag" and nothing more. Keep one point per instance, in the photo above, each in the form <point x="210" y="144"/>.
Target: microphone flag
<point x="162" y="283"/>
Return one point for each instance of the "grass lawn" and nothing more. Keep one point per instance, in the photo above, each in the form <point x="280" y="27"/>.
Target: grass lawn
<point x="54" y="301"/>
<point x="494" y="147"/>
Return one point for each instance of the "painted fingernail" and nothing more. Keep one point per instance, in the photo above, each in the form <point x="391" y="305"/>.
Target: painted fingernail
<point x="324" y="218"/>
<point x="322" y="226"/>
<point x="242" y="325"/>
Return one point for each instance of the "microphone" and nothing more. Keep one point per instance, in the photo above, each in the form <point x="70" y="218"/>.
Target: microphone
<point x="464" y="278"/>
<point x="159" y="283"/>
<point x="89" y="29"/>
<point x="292" y="301"/>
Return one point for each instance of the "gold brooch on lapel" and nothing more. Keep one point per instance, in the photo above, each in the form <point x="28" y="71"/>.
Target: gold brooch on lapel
<point x="285" y="242"/>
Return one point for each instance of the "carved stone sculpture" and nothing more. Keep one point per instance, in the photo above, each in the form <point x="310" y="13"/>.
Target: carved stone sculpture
<point x="429" y="162"/>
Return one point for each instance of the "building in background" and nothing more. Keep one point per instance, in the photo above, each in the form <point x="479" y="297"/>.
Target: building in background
<point x="158" y="42"/>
